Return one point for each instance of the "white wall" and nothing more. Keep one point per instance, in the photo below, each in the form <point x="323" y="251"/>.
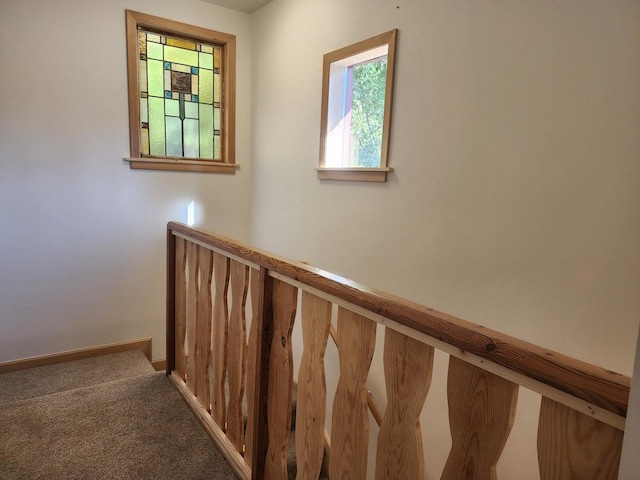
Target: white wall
<point x="82" y="237"/>
<point x="514" y="202"/>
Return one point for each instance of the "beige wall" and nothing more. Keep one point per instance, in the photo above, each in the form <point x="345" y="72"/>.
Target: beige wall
<point x="514" y="200"/>
<point x="81" y="235"/>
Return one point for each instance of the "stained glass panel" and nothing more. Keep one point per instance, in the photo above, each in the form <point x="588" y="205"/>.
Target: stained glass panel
<point x="181" y="79"/>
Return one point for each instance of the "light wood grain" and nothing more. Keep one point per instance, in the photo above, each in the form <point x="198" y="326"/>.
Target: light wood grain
<point x="219" y="338"/>
<point x="280" y="380"/>
<point x="574" y="446"/>
<point x="408" y="365"/>
<point x="180" y="307"/>
<point x="481" y="412"/>
<point x="312" y="389"/>
<point x="203" y="327"/>
<point x="350" y="421"/>
<point x="597" y="386"/>
<point x="252" y="349"/>
<point x="192" y="311"/>
<point x="239" y="281"/>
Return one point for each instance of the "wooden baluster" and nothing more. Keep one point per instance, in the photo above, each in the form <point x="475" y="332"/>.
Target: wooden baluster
<point x="350" y="422"/>
<point x="203" y="327"/>
<point x="252" y="347"/>
<point x="181" y="307"/>
<point x="239" y="280"/>
<point x="280" y="380"/>
<point x="408" y="365"/>
<point x="481" y="413"/>
<point x="219" y="333"/>
<point x="573" y="445"/>
<point x="312" y="389"/>
<point x="192" y="312"/>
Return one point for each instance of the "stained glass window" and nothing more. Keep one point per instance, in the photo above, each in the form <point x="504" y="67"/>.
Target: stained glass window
<point x="180" y="97"/>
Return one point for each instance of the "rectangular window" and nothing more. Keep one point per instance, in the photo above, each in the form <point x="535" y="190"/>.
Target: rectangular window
<point x="356" y="110"/>
<point x="181" y="103"/>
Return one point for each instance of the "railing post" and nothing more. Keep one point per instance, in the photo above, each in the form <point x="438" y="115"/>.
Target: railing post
<point x="171" y="301"/>
<point x="258" y="414"/>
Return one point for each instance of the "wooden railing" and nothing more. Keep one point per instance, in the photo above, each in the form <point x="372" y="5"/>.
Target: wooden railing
<point x="216" y="366"/>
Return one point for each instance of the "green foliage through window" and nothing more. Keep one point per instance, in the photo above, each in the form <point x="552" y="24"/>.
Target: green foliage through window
<point x="367" y="112"/>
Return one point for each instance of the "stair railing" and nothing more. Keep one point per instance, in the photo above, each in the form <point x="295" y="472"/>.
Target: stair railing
<point x="215" y="367"/>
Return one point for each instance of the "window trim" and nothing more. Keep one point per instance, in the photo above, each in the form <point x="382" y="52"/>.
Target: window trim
<point x="228" y="44"/>
<point x="363" y="174"/>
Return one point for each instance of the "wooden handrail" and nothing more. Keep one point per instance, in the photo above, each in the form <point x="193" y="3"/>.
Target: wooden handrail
<point x="600" y="387"/>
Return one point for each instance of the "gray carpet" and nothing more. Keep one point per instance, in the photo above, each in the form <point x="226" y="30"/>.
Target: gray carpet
<point x="38" y="381"/>
<point x="133" y="428"/>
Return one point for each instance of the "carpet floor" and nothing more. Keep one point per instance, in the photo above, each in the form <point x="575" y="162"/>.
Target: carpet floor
<point x="137" y="427"/>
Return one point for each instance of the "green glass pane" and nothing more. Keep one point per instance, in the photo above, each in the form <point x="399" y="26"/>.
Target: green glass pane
<point x="216" y="87"/>
<point x="176" y="67"/>
<point x="174" y="137"/>
<point x="180" y="55"/>
<point x="206" y="60"/>
<point x="191" y="138"/>
<point x="191" y="110"/>
<point x="172" y="107"/>
<point x="156" y="126"/>
<point x="154" y="50"/>
<point x="217" y="147"/>
<point x="155" y="75"/>
<point x="206" y="131"/>
<point x="216" y="119"/>
<point x="206" y="87"/>
<point x="144" y="112"/>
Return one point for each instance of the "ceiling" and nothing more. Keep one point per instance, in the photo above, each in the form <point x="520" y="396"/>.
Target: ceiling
<point x="246" y="6"/>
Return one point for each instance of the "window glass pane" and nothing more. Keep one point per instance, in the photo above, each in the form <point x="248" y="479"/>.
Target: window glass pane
<point x="367" y="113"/>
<point x="191" y="138"/>
<point x="206" y="86"/>
<point x="206" y="131"/>
<point x="156" y="126"/>
<point x="178" y="85"/>
<point x="174" y="137"/>
<point x="180" y="55"/>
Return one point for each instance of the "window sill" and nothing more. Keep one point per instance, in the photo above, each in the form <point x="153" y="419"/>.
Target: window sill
<point x="181" y="165"/>
<point x="354" y="174"/>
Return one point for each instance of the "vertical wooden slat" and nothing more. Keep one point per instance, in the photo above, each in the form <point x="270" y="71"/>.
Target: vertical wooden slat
<point x="252" y="348"/>
<point x="203" y="327"/>
<point x="192" y="309"/>
<point x="350" y="422"/>
<point x="481" y="413"/>
<point x="408" y="365"/>
<point x="219" y="333"/>
<point x="572" y="445"/>
<point x="239" y="281"/>
<point x="280" y="380"/>
<point x="262" y="332"/>
<point x="312" y="389"/>
<point x="180" y="308"/>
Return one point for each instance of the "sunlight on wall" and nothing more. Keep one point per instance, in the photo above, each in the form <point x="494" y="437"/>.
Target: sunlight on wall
<point x="191" y="213"/>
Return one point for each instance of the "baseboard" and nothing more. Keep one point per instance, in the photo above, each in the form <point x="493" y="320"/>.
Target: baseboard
<point x="159" y="364"/>
<point x="143" y="344"/>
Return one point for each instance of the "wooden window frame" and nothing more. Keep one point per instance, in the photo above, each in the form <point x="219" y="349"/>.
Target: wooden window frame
<point x="227" y="42"/>
<point x="362" y="174"/>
